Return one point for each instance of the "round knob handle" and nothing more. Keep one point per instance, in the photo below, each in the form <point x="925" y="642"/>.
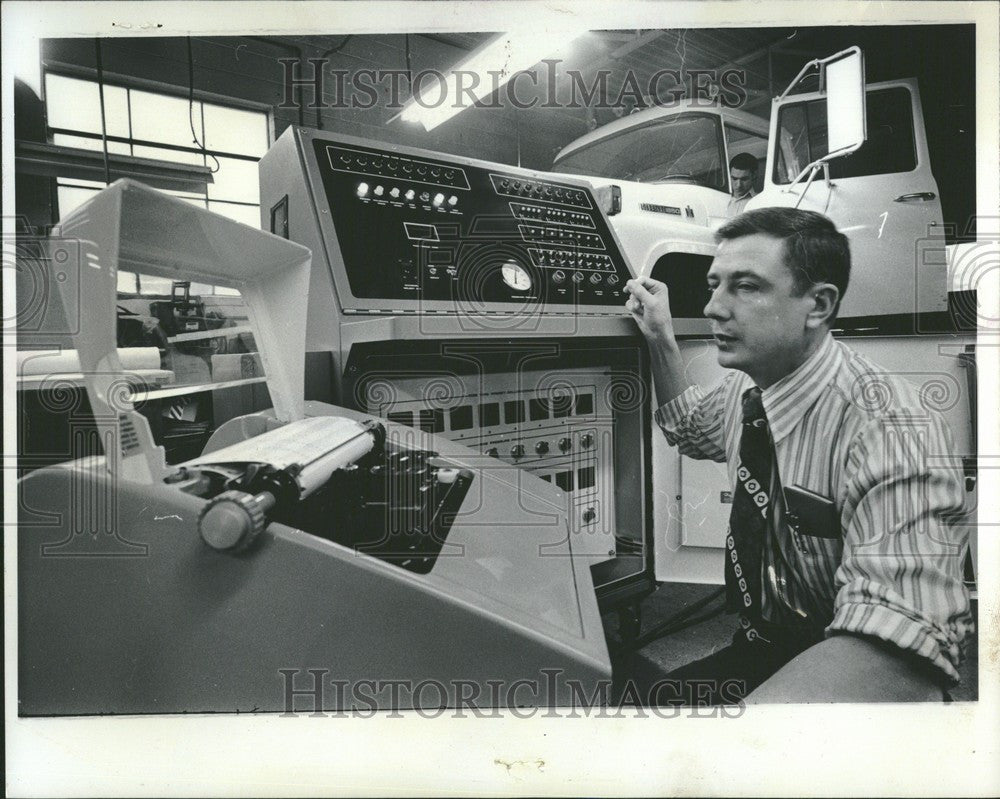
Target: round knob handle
<point x="517" y="451"/>
<point x="589" y="515"/>
<point x="565" y="444"/>
<point x="542" y="447"/>
<point x="233" y="519"/>
<point x="492" y="452"/>
<point x="587" y="440"/>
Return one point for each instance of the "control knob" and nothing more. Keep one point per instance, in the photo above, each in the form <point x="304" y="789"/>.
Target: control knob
<point x="517" y="451"/>
<point x="233" y="519"/>
<point x="542" y="447"/>
<point x="565" y="444"/>
<point x="587" y="440"/>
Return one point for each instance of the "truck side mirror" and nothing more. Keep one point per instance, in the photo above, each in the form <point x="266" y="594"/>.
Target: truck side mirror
<point x="844" y="79"/>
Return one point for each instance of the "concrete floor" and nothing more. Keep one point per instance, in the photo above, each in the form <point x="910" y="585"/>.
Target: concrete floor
<point x="662" y="656"/>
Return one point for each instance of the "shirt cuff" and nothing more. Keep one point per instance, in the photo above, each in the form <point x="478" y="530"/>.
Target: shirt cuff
<point x="902" y="627"/>
<point x="672" y="414"/>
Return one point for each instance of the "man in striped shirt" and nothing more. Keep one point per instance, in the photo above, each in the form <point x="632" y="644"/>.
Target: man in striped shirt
<point x="860" y="589"/>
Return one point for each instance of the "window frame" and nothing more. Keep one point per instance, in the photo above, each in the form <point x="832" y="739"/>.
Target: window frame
<point x="127" y="83"/>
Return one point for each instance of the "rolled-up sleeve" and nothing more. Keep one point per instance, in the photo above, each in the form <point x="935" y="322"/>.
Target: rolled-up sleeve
<point x="694" y="421"/>
<point x="900" y="577"/>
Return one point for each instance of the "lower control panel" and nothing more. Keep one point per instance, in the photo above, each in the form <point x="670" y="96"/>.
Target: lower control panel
<point x="574" y="412"/>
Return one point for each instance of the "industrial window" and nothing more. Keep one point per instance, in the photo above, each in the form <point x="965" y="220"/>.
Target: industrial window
<point x="147" y="124"/>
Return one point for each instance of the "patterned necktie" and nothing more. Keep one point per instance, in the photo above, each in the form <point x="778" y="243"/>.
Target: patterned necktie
<point x="749" y="517"/>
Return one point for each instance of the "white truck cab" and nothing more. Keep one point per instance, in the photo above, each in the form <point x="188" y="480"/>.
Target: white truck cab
<point x="671" y="165"/>
<point x="672" y="168"/>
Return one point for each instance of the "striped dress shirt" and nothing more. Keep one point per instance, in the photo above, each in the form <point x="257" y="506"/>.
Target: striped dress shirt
<point x="849" y="431"/>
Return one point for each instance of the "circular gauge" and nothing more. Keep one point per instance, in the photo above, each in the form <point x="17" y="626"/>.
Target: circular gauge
<point x="515" y="276"/>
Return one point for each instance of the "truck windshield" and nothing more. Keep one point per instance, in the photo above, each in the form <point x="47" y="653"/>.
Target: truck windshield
<point x="684" y="148"/>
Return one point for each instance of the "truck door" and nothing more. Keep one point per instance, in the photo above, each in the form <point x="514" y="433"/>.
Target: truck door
<point x="883" y="196"/>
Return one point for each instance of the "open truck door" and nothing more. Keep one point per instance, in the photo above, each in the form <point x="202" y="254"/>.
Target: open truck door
<point x="859" y="155"/>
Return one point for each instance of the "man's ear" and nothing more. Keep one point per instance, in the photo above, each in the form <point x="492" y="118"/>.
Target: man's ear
<point x="825" y="297"/>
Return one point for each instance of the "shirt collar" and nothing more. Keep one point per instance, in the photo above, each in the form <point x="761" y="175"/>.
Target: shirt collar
<point x="787" y="401"/>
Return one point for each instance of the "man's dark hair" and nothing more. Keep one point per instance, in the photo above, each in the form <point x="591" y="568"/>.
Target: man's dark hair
<point x="814" y="249"/>
<point x="743" y="161"/>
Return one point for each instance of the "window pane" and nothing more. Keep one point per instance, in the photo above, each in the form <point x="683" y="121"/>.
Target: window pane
<point x="150" y="284"/>
<point x="126" y="282"/>
<point x="75" y="104"/>
<point x="71" y="198"/>
<point x="177" y="156"/>
<point x="162" y="154"/>
<point x="159" y="118"/>
<point x="79" y="183"/>
<point x="889" y="147"/>
<point x="685" y="148"/>
<point x="89" y="144"/>
<point x="745" y="141"/>
<point x="247" y="214"/>
<point x="236" y="180"/>
<point x="233" y="130"/>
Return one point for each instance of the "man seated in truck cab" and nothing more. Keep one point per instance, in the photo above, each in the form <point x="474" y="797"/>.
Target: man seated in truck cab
<point x="841" y="560"/>
<point x="742" y="175"/>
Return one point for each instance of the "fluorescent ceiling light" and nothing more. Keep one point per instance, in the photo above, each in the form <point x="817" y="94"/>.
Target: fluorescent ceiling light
<point x="483" y="72"/>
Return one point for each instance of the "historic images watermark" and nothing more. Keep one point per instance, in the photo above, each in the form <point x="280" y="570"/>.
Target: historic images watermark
<point x="552" y="696"/>
<point x="548" y="87"/>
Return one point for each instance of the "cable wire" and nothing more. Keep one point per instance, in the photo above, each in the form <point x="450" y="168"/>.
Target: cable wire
<point x="679" y="621"/>
<point x="194" y="135"/>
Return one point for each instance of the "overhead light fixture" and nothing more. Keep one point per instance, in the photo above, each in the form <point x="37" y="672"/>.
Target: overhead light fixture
<point x="484" y="71"/>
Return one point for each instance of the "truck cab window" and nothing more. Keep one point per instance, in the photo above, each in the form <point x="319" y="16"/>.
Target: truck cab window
<point x="739" y="140"/>
<point x="684" y="148"/>
<point x="890" y="146"/>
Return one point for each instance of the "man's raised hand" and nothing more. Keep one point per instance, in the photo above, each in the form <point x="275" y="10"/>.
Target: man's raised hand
<point x="649" y="304"/>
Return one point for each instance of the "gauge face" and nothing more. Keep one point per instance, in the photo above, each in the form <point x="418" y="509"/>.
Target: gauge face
<point x="515" y="276"/>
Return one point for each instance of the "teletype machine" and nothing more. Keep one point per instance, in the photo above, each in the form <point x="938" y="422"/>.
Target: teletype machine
<point x="450" y="487"/>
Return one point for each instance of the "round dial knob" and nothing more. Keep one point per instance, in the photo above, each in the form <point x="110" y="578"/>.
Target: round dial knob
<point x="492" y="452"/>
<point x="565" y="444"/>
<point x="233" y="519"/>
<point x="589" y="515"/>
<point x="542" y="447"/>
<point x="587" y="440"/>
<point x="517" y="451"/>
